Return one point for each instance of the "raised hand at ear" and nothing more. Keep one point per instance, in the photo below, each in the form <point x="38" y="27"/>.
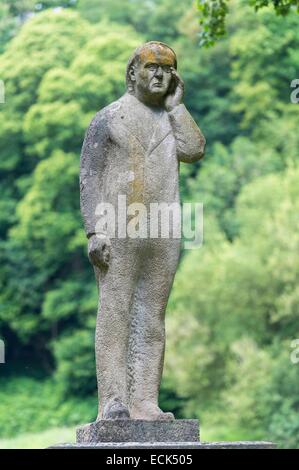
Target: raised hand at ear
<point x="176" y="94"/>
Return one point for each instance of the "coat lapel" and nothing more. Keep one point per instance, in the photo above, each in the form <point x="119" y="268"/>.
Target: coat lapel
<point x="161" y="131"/>
<point x="147" y="129"/>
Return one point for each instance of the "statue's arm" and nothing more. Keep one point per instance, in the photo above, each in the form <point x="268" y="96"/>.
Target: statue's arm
<point x="190" y="141"/>
<point x="92" y="165"/>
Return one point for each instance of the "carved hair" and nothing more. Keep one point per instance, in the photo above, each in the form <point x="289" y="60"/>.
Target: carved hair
<point x="136" y="57"/>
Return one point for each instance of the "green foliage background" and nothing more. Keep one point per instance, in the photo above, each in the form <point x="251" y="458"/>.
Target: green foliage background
<point x="234" y="307"/>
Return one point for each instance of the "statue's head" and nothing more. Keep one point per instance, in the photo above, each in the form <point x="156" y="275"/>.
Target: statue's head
<point x="149" y="75"/>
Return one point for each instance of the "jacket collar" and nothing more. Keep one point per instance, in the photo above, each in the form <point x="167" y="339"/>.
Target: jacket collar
<point x="148" y="127"/>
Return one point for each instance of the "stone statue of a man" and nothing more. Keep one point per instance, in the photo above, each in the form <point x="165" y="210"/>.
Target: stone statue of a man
<point x="133" y="148"/>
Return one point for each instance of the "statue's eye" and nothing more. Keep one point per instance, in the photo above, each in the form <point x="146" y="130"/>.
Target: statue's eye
<point x="152" y="67"/>
<point x="167" y="68"/>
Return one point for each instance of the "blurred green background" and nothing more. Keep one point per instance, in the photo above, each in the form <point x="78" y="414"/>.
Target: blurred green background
<point x="234" y="308"/>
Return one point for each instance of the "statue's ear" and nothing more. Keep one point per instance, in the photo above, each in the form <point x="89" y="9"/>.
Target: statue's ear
<point x="132" y="74"/>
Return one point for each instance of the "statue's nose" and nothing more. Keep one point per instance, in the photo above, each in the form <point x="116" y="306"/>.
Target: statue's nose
<point x="159" y="72"/>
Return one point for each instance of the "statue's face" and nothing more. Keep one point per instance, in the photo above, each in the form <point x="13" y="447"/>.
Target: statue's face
<point x="152" y="74"/>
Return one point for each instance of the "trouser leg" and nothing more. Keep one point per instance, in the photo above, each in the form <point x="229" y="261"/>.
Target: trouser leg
<point x="116" y="288"/>
<point x="147" y="344"/>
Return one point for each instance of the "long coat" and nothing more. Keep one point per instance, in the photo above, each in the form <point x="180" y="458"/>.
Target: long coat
<point x="134" y="150"/>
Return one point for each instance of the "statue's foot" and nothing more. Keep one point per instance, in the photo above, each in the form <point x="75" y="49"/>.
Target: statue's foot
<point x="115" y="409"/>
<point x="149" y="411"/>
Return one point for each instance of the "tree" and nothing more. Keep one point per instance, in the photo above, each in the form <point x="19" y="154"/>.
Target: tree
<point x="47" y="285"/>
<point x="212" y="15"/>
<point x="155" y="19"/>
<point x="233" y="313"/>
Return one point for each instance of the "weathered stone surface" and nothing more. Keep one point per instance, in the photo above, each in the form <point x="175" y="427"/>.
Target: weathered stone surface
<point x="132" y="149"/>
<point x="122" y="431"/>
<point x="171" y="445"/>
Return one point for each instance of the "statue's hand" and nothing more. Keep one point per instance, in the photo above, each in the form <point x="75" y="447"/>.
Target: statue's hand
<point x="99" y="251"/>
<point x="176" y="95"/>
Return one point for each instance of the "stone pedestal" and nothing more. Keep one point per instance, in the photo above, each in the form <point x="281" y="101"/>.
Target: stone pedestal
<point x="140" y="434"/>
<point x="170" y="445"/>
<point x="138" y="430"/>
